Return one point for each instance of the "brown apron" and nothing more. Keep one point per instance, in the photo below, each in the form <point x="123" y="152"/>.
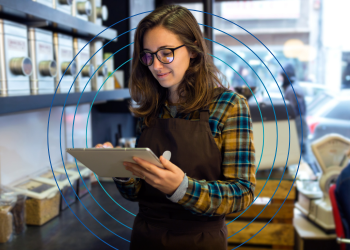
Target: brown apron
<point x="161" y="223"/>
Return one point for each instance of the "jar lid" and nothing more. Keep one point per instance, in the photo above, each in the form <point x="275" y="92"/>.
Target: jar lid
<point x="7" y="197"/>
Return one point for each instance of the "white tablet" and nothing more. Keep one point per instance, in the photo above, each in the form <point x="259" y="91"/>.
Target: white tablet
<point x="108" y="162"/>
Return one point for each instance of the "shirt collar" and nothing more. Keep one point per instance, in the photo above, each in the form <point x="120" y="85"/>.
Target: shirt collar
<point x="166" y="105"/>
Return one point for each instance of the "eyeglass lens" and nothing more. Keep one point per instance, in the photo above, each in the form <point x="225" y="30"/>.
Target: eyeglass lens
<point x="164" y="55"/>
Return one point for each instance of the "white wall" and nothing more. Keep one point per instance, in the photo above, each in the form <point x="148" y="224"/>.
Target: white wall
<point x="23" y="141"/>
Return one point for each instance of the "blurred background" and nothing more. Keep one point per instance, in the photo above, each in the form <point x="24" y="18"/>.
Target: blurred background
<point x="289" y="58"/>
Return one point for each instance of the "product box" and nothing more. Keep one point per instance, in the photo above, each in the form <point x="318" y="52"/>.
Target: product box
<point x="81" y="59"/>
<point x="15" y="65"/>
<point x="67" y="187"/>
<point x="84" y="178"/>
<point x="42" y="203"/>
<point x="42" y="80"/>
<point x="63" y="51"/>
<point x="101" y="74"/>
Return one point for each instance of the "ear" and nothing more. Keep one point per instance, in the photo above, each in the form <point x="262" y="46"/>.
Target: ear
<point x="193" y="54"/>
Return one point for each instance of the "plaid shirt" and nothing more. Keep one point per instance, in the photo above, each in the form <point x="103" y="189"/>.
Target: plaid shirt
<point x="231" y="127"/>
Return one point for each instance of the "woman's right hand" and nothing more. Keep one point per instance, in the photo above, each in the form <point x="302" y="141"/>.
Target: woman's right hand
<point x="104" y="145"/>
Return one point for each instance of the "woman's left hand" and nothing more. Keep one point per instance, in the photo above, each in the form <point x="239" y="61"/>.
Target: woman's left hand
<point x="166" y="180"/>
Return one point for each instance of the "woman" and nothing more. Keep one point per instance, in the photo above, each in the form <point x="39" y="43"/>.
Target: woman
<point x="184" y="108"/>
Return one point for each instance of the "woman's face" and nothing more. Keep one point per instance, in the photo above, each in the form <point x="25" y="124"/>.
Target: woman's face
<point x="168" y="75"/>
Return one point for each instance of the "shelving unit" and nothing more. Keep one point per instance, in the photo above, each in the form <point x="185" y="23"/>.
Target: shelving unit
<point x="11" y="104"/>
<point x="38" y="15"/>
<point x="42" y="16"/>
<point x="25" y="116"/>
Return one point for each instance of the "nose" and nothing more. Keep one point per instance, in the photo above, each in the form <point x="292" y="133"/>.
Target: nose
<point x="157" y="64"/>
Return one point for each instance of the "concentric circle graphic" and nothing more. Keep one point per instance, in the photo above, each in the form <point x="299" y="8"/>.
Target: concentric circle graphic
<point x="129" y="61"/>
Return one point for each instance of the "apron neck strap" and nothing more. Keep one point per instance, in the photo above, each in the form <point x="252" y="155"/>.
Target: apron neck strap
<point x="204" y="114"/>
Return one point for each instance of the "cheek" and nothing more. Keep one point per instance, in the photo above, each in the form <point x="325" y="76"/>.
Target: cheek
<point x="181" y="68"/>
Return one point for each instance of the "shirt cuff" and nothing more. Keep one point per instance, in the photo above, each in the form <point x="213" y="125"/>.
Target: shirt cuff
<point x="121" y="179"/>
<point x="180" y="191"/>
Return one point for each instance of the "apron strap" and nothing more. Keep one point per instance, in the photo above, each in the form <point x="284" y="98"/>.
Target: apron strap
<point x="204" y="114"/>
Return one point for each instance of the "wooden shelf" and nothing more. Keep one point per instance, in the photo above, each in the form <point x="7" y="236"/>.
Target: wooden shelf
<point x="56" y="19"/>
<point x="12" y="104"/>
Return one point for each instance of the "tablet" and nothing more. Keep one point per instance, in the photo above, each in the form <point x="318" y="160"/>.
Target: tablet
<point x="108" y="162"/>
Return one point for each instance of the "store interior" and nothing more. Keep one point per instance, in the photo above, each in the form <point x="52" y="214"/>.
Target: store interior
<point x="64" y="72"/>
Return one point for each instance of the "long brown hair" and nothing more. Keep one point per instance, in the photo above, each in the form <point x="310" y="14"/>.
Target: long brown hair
<point x="197" y="87"/>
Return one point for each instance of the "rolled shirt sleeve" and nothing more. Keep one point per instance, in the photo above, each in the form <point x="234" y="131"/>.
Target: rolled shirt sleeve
<point x="236" y="192"/>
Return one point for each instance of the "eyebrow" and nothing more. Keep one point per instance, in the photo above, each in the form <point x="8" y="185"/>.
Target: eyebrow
<point x="164" y="46"/>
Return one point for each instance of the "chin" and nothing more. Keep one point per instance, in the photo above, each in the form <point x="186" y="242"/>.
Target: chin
<point x="165" y="84"/>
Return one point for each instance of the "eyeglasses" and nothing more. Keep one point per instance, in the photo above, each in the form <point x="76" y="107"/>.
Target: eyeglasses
<point x="164" y="55"/>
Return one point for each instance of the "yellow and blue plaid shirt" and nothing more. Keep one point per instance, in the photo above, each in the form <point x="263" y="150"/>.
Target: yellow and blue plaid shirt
<point x="231" y="126"/>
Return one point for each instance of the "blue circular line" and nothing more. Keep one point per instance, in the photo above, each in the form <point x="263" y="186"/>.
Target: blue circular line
<point x="73" y="189"/>
<point x="262" y="120"/>
<point x="260" y="113"/>
<point x="287" y="116"/>
<point x="263" y="146"/>
<point x="263" y="138"/>
<point x="66" y="170"/>
<point x="273" y="162"/>
<point x="75" y="159"/>
<point x="261" y="152"/>
<point x="86" y="136"/>
<point x="253" y="52"/>
<point x="112" y="74"/>
<point x="220" y="60"/>
<point x="88" y="120"/>
<point x="73" y="144"/>
<point x="87" y="147"/>
<point x="48" y="125"/>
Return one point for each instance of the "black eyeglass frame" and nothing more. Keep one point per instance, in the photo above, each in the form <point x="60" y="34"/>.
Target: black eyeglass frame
<point x="156" y="53"/>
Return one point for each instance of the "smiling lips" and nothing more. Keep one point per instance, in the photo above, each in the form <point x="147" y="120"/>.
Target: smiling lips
<point x="163" y="75"/>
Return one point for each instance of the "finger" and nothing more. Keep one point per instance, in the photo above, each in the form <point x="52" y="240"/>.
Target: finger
<point x="144" y="175"/>
<point x="107" y="145"/>
<point x="99" y="145"/>
<point x="166" y="163"/>
<point x="146" y="165"/>
<point x="131" y="165"/>
<point x="139" y="173"/>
